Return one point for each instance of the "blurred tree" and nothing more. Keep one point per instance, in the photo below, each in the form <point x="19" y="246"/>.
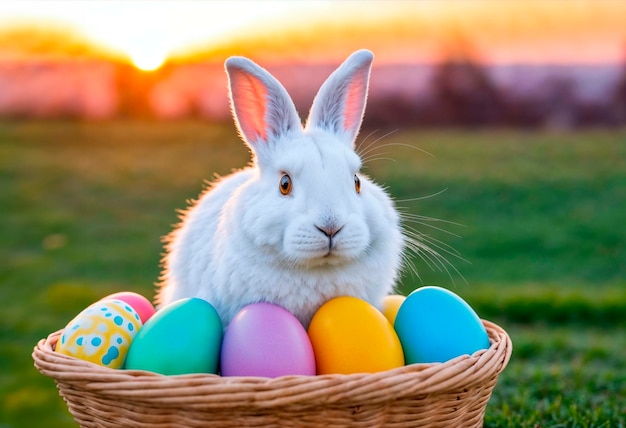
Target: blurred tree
<point x="463" y="92"/>
<point x="464" y="95"/>
<point x="386" y="113"/>
<point x="557" y="103"/>
<point x="618" y="103"/>
<point x="134" y="87"/>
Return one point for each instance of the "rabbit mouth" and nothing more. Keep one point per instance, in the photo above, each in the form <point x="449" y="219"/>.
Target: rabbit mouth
<point x="328" y="259"/>
<point x="313" y="245"/>
<point x="332" y="240"/>
<point x="330" y="253"/>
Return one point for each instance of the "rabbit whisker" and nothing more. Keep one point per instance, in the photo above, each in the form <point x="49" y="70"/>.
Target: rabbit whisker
<point x="436" y="243"/>
<point x="371" y="147"/>
<point x="411" y="216"/>
<point x="424" y="222"/>
<point x="432" y="195"/>
<point x="366" y="147"/>
<point x="433" y="259"/>
<point x="429" y="249"/>
<point x="375" y="158"/>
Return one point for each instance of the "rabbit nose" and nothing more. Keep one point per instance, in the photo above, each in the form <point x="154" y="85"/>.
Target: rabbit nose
<point x="329" y="230"/>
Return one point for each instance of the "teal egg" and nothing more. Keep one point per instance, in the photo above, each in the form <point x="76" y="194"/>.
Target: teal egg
<point x="435" y="325"/>
<point x="181" y="338"/>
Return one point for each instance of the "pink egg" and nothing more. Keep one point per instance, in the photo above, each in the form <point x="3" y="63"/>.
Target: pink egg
<point x="138" y="302"/>
<point x="268" y="341"/>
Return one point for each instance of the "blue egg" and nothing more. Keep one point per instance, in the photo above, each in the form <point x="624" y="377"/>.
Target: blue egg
<point x="435" y="325"/>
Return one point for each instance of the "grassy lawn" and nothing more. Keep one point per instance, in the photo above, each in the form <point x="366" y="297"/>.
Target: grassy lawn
<point x="537" y="219"/>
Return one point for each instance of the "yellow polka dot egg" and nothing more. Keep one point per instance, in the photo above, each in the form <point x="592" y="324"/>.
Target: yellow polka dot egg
<point x="101" y="334"/>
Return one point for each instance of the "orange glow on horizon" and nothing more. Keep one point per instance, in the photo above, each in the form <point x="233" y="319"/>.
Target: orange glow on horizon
<point x="150" y="33"/>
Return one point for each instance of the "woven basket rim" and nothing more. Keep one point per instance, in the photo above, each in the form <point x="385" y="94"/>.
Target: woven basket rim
<point x="209" y="390"/>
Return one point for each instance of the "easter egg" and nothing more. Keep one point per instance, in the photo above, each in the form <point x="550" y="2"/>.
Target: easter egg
<point x="101" y="334"/>
<point x="435" y="325"/>
<point x="182" y="337"/>
<point x="390" y="307"/>
<point x="138" y="302"/>
<point x="266" y="340"/>
<point x="351" y="336"/>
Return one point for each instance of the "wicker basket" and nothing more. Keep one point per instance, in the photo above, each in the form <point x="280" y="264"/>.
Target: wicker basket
<point x="452" y="394"/>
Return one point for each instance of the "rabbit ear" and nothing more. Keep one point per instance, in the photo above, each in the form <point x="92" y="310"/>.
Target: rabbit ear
<point x="261" y="106"/>
<point x="340" y="102"/>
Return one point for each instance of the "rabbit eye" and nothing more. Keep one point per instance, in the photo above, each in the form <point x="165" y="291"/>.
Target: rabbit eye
<point x="285" y="184"/>
<point x="357" y="183"/>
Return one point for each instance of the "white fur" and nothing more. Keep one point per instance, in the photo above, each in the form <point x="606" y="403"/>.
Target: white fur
<point x="245" y="242"/>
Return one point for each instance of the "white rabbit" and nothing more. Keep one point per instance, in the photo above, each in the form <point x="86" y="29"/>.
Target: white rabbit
<point x="301" y="225"/>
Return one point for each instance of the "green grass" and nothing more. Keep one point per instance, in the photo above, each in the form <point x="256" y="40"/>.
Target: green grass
<point x="561" y="377"/>
<point x="539" y="219"/>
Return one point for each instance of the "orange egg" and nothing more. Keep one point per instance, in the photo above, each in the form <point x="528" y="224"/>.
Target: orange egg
<point x="391" y="304"/>
<point x="351" y="336"/>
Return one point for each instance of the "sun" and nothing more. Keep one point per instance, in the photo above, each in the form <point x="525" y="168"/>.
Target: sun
<point x="147" y="59"/>
<point x="145" y="51"/>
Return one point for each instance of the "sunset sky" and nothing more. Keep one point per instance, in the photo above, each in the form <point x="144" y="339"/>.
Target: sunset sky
<point x="148" y="32"/>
